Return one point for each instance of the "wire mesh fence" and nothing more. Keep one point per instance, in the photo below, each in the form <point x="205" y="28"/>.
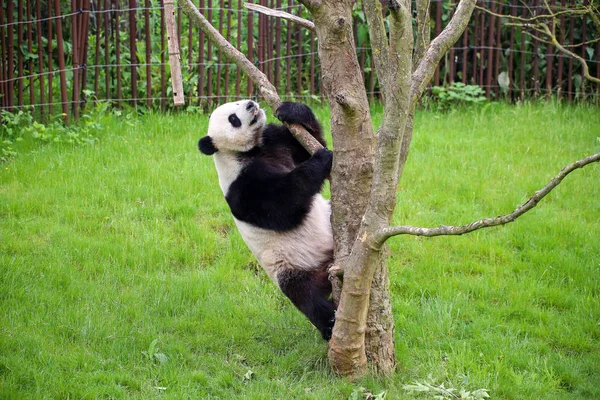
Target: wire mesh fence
<point x="60" y="57"/>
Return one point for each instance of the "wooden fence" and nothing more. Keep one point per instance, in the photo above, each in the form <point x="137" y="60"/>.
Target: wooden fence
<point x="61" y="57"/>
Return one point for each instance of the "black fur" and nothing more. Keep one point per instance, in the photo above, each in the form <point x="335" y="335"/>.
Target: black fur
<point x="275" y="189"/>
<point x="235" y="121"/>
<point x="309" y="292"/>
<point x="206" y="146"/>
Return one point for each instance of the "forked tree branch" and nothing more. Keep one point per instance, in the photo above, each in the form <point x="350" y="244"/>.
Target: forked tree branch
<point x="444" y="230"/>
<point x="267" y="90"/>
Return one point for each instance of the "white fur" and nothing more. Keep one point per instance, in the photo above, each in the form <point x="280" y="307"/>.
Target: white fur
<point x="227" y="137"/>
<point x="306" y="247"/>
<point x="228" y="168"/>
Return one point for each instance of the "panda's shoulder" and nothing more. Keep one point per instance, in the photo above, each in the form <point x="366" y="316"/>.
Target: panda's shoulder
<point x="274" y="135"/>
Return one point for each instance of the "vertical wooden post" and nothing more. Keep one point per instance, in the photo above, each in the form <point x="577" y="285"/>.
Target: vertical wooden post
<point x="220" y="53"/>
<point x="559" y="79"/>
<point x="238" y="77"/>
<point x="312" y="64"/>
<point x="452" y="66"/>
<point x="511" y="54"/>
<point x="490" y="52"/>
<point x="30" y="49"/>
<point x="475" y="44"/>
<point x="299" y="58"/>
<point x="584" y="47"/>
<point x="438" y="29"/>
<point x="523" y="56"/>
<point x="228" y="37"/>
<point x="288" y="52"/>
<point x="536" y="59"/>
<point x="498" y="50"/>
<point x="163" y="88"/>
<point x="75" y="36"/>
<point x="50" y="61"/>
<point x="148" y="53"/>
<point x="481" y="48"/>
<point x="174" y="56"/>
<point x="20" y="73"/>
<point x="465" y="54"/>
<point x="249" y="87"/>
<point x="277" y="48"/>
<point x="84" y="43"/>
<point x="117" y="31"/>
<point x="11" y="60"/>
<point x="133" y="58"/>
<point x="3" y="66"/>
<point x="209" y="57"/>
<point x="61" y="60"/>
<point x="98" y="21"/>
<point x="107" y="17"/>
<point x="190" y="54"/>
<point x="570" y="67"/>
<point x="201" y="61"/>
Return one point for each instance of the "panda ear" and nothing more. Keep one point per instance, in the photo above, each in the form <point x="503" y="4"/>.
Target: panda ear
<point x="207" y="146"/>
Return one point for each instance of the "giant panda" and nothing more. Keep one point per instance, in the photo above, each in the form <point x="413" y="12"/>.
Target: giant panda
<point x="272" y="186"/>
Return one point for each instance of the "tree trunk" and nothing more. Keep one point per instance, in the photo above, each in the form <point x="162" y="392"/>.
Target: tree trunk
<point x="353" y="138"/>
<point x="379" y="337"/>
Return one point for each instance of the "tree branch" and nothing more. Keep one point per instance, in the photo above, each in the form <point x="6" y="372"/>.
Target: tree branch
<point x="267" y="90"/>
<point x="378" y="39"/>
<point x="551" y="15"/>
<point x="423" y="31"/>
<point x="444" y="230"/>
<point x="438" y="47"/>
<point x="280" y="14"/>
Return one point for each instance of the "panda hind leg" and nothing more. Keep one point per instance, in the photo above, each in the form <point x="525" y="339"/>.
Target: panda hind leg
<point x="309" y="291"/>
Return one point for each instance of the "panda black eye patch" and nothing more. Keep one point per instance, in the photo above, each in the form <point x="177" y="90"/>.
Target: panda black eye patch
<point x="235" y="121"/>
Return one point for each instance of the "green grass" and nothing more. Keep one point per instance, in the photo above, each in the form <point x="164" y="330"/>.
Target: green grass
<point x="122" y="273"/>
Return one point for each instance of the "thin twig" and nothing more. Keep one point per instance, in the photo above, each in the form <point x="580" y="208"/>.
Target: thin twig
<point x="577" y="11"/>
<point x="280" y="14"/>
<point x="445" y="230"/>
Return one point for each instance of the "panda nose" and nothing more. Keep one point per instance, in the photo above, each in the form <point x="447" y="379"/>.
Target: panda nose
<point x="251" y="105"/>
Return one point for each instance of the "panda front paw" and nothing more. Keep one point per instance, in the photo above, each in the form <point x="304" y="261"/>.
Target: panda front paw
<point x="324" y="158"/>
<point x="298" y="113"/>
<point x="293" y="113"/>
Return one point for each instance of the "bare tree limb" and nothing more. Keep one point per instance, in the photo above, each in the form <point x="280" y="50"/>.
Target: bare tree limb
<point x="280" y="14"/>
<point x="562" y="49"/>
<point x="423" y="31"/>
<point x="438" y="47"/>
<point x="379" y="41"/>
<point x="267" y="90"/>
<point x="444" y="230"/>
<point x="551" y="15"/>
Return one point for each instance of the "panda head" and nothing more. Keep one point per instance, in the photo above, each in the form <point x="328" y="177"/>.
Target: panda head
<point x="235" y="126"/>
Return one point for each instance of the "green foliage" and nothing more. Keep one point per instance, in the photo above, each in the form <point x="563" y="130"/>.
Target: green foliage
<point x="114" y="253"/>
<point x="457" y="94"/>
<point x="19" y="125"/>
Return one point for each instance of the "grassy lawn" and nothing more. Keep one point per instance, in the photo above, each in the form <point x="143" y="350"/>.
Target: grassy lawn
<point x="122" y="274"/>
